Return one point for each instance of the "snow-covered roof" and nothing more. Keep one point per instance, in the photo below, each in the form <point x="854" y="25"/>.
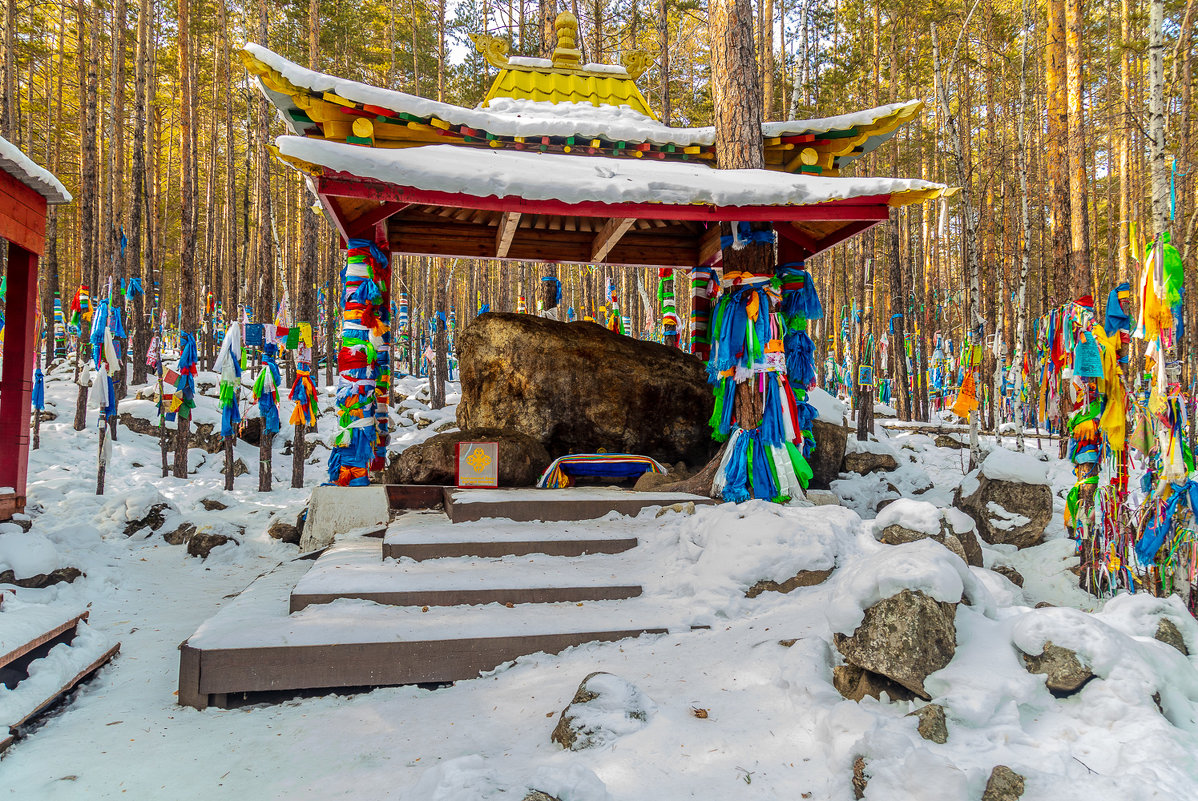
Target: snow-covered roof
<point x="549" y="176"/>
<point x="14" y="162"/>
<point x="862" y="131"/>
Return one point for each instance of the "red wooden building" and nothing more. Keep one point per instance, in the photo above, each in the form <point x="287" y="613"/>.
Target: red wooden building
<point x="26" y="190"/>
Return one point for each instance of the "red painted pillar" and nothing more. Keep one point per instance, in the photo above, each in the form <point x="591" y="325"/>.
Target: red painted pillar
<point x="16" y="383"/>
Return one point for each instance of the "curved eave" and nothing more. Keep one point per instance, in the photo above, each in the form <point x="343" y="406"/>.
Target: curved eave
<point x="320" y="105"/>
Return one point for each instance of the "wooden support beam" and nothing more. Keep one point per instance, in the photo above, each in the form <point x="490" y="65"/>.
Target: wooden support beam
<point x="508" y="224"/>
<point x="363" y="225"/>
<point x="609" y="235"/>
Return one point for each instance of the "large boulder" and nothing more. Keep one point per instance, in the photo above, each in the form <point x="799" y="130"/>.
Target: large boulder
<point x="577" y="387"/>
<point x="830" y="443"/>
<point x="905" y="638"/>
<point x="1009" y="498"/>
<point x="604" y="708"/>
<point x="522" y="458"/>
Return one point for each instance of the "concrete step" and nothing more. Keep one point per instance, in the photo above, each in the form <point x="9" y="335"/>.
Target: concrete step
<point x="352" y="569"/>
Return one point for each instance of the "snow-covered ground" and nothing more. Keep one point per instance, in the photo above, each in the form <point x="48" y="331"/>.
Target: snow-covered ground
<point x="773" y="728"/>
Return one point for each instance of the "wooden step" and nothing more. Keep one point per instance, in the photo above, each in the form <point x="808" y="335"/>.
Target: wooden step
<point x="421" y="536"/>
<point x="17" y="729"/>
<point x="252" y="645"/>
<point x="554" y="505"/>
<point x="351" y="569"/>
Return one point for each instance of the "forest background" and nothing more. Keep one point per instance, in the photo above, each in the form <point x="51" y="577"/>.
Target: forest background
<point x="143" y="110"/>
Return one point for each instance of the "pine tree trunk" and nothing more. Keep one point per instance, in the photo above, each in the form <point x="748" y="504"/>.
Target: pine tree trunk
<point x="898" y="307"/>
<point x="1079" y="223"/>
<point x="973" y="323"/>
<point x="141" y="325"/>
<point x="1025" y="230"/>
<point x="88" y="181"/>
<point x="187" y="242"/>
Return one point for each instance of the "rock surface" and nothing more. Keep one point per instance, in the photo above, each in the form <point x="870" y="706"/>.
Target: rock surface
<point x="180" y="535"/>
<point x="855" y="683"/>
<point x="1168" y="633"/>
<point x="932" y="724"/>
<point x="860" y="780"/>
<point x="577" y="387"/>
<point x="1064" y="672"/>
<point x="804" y="578"/>
<point x="830" y="443"/>
<point x="522" y="458"/>
<point x="1006" y="512"/>
<point x="1004" y="785"/>
<point x="37" y="582"/>
<point x="280" y="529"/>
<point x="904" y="637"/>
<point x="604" y="708"/>
<point x="864" y="462"/>
<point x="1009" y="573"/>
<point x="155" y="518"/>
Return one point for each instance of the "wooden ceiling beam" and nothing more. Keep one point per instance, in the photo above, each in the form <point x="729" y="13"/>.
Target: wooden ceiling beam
<point x="609" y="236"/>
<point x="508" y="224"/>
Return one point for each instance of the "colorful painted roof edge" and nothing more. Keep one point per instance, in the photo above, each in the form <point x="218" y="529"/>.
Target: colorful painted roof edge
<point x="821" y="145"/>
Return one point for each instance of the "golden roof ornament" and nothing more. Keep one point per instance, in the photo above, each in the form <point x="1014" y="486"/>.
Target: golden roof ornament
<point x="566" y="54"/>
<point x="636" y="62"/>
<point x="494" y="50"/>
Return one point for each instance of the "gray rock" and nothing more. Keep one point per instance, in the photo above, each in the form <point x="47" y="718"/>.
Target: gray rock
<point x="212" y="504"/>
<point x="687" y="508"/>
<point x="1004" y="785"/>
<point x="40" y="580"/>
<point x="804" y="578"/>
<point x="830" y="443"/>
<point x="855" y="683"/>
<point x="22" y="521"/>
<point x="283" y="531"/>
<point x="932" y="724"/>
<point x="949" y="441"/>
<point x="967" y="536"/>
<point x="203" y="541"/>
<point x="604" y="708"/>
<point x="904" y="637"/>
<point x="181" y="535"/>
<point x="898" y="534"/>
<point x="537" y="795"/>
<point x="860" y="780"/>
<point x="1064" y="672"/>
<point x="577" y="387"/>
<point x="1030" y="501"/>
<point x="951" y="542"/>
<point x="863" y="463"/>
<point x="1009" y="573"/>
<point x="155" y="518"/>
<point x="649" y="482"/>
<point x="1168" y="633"/>
<point x="522" y="458"/>
<point x="239" y="468"/>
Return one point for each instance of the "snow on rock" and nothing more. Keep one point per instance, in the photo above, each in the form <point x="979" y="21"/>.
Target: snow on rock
<point x="910" y="514"/>
<point x="605" y="708"/>
<point x="923" y="566"/>
<point x="1023" y="468"/>
<point x="827" y="408"/>
<point x="1000" y="518"/>
<point x="27" y="554"/>
<point x="725" y="550"/>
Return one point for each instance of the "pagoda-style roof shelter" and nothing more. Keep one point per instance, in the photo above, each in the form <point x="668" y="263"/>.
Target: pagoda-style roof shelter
<point x="565" y="162"/>
<point x="25" y="191"/>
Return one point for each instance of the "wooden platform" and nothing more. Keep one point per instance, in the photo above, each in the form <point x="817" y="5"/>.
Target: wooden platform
<point x="17" y="663"/>
<point x="352" y="569"/>
<point x="550" y="505"/>
<point x="429" y="536"/>
<point x="481" y="595"/>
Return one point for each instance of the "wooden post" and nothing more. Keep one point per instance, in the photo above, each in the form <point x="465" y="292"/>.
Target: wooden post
<point x="16" y="381"/>
<point x="228" y="462"/>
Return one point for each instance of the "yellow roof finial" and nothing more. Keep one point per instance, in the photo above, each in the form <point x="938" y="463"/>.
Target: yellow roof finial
<point x="566" y="54"/>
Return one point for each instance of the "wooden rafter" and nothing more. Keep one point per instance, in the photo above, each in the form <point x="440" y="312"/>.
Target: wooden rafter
<point x="364" y="224"/>
<point x="508" y="223"/>
<point x="609" y="235"/>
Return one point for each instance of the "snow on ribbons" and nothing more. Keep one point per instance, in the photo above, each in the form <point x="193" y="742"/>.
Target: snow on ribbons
<point x="363" y="365"/>
<point x="758" y="333"/>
